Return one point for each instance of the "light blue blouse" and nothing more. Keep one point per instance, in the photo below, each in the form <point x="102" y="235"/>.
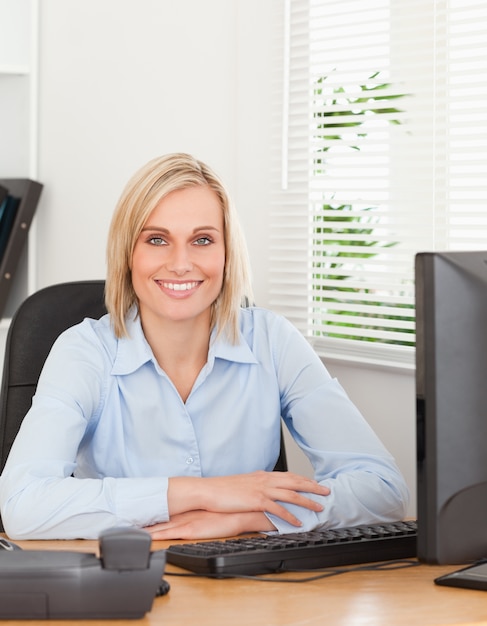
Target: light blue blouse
<point x="107" y="428"/>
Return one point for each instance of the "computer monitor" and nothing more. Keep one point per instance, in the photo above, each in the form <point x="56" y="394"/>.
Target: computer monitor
<point x="451" y="386"/>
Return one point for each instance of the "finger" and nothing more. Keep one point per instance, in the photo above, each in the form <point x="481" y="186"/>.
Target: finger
<point x="315" y="487"/>
<point x="163" y="532"/>
<point x="294" y="497"/>
<point x="280" y="511"/>
<point x="299" y="483"/>
<point x="158" y="529"/>
<point x="308" y="503"/>
<point x="319" y="490"/>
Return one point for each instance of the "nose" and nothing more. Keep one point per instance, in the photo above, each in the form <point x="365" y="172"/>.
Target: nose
<point x="179" y="261"/>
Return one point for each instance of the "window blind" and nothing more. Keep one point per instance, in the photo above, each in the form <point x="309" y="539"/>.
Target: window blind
<point x="380" y="153"/>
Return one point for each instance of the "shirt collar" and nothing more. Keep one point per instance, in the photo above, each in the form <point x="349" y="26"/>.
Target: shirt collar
<point x="133" y="350"/>
<point x="221" y="348"/>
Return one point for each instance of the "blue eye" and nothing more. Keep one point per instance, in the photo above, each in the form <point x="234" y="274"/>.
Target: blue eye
<point x="203" y="241"/>
<point x="156" y="241"/>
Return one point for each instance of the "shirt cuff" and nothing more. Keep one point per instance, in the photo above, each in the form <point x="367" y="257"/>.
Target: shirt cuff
<point x="141" y="501"/>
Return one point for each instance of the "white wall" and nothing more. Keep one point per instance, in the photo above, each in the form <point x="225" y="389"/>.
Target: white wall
<point x="122" y="81"/>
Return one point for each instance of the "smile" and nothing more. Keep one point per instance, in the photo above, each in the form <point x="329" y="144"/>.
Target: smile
<point x="180" y="286"/>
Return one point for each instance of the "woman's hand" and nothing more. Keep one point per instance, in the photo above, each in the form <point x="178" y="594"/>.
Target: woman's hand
<point x="193" y="525"/>
<point x="244" y="493"/>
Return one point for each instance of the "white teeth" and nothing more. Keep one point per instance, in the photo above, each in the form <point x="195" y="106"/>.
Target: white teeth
<point x="179" y="286"/>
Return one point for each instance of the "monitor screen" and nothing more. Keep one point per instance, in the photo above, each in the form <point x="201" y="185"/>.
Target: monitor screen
<point x="451" y="390"/>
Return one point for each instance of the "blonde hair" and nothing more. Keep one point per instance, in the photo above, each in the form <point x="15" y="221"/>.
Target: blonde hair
<point x="143" y="192"/>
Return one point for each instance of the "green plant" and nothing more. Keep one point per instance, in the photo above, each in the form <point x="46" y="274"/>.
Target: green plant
<point x="343" y="233"/>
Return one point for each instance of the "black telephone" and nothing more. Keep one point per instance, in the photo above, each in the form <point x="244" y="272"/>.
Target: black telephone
<point x="48" y="584"/>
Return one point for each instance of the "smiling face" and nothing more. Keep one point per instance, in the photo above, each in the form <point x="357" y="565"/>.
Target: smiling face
<point x="179" y="258"/>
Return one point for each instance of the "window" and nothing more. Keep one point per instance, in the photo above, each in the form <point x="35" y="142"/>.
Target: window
<point x="381" y="152"/>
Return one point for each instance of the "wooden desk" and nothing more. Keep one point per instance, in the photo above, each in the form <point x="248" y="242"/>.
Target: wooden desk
<point x="377" y="598"/>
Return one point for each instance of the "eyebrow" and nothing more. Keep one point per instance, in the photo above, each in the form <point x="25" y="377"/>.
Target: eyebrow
<point x="165" y="230"/>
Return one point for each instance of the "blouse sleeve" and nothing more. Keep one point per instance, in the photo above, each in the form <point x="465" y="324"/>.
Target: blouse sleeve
<point x="347" y="456"/>
<point x="39" y="496"/>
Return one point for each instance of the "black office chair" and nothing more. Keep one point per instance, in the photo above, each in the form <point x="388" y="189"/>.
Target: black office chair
<point x="39" y="320"/>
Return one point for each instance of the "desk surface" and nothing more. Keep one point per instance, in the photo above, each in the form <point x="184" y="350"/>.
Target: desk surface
<point x="389" y="598"/>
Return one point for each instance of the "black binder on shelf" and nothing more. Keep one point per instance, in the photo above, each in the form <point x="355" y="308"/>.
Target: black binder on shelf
<point x="3" y="194"/>
<point x="16" y="214"/>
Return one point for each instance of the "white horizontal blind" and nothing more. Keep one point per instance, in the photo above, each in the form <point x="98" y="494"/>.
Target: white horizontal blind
<point x="381" y="152"/>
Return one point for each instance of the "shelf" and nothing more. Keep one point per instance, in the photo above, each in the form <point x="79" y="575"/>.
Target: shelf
<point x="4" y="324"/>
<point x="14" y="70"/>
<point x="19" y="60"/>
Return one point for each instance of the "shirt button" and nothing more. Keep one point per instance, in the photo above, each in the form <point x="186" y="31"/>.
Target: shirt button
<point x="189" y="460"/>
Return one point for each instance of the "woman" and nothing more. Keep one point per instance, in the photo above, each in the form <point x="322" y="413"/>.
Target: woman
<point x="165" y="414"/>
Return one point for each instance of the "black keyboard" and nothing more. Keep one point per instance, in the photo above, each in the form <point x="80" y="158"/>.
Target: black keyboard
<point x="311" y="550"/>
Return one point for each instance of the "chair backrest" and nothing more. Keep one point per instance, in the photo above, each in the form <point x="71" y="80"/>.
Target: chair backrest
<point x="281" y="465"/>
<point x="39" y="320"/>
